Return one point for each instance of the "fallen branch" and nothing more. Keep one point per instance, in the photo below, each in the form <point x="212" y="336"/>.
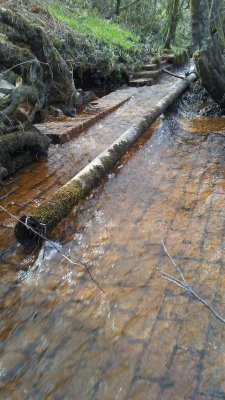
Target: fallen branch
<point x="42" y="237"/>
<point x="182" y="283"/>
<point x="172" y="74"/>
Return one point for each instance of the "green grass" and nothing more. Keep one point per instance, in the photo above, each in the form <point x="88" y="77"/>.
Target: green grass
<point x="108" y="41"/>
<point x="100" y="29"/>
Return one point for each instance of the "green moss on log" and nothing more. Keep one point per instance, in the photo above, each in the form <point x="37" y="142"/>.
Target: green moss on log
<point x="59" y="204"/>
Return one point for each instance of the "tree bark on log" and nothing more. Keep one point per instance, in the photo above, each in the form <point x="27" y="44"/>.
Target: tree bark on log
<point x="59" y="205"/>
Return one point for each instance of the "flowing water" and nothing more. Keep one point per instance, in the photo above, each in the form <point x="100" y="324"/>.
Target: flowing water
<point x="143" y="337"/>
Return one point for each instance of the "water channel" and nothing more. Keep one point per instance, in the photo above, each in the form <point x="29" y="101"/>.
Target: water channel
<point x="143" y="337"/>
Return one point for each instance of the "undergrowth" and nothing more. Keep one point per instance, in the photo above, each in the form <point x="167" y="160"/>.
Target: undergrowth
<point x="109" y="41"/>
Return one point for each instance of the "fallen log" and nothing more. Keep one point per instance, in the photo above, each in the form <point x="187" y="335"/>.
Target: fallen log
<point x="59" y="205"/>
<point x="20" y="148"/>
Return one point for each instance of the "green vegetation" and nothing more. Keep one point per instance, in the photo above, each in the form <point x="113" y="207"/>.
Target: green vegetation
<point x="108" y="41"/>
<point x="97" y="27"/>
<point x="138" y="30"/>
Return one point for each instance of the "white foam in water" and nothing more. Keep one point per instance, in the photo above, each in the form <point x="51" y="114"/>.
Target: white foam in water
<point x="48" y="251"/>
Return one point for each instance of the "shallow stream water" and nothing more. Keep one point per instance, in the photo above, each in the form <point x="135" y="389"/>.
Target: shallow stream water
<point x="143" y="337"/>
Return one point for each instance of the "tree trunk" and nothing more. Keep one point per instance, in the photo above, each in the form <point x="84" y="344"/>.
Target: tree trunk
<point x="170" y="37"/>
<point x="200" y="23"/>
<point x="208" y="36"/>
<point x="118" y="2"/>
<point x="210" y="66"/>
<point x="217" y="18"/>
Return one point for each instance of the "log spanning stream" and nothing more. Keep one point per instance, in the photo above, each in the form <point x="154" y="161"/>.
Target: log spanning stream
<point x="143" y="337"/>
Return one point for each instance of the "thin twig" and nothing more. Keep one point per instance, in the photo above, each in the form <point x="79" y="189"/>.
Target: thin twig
<point x="53" y="245"/>
<point x="6" y="194"/>
<point x="175" y="265"/>
<point x="4" y="188"/>
<point x="184" y="285"/>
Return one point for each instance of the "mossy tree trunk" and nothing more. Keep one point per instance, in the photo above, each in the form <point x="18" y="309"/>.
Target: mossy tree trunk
<point x="211" y="68"/>
<point x="117" y="11"/>
<point x="200" y="23"/>
<point x="173" y="20"/>
<point x="208" y="41"/>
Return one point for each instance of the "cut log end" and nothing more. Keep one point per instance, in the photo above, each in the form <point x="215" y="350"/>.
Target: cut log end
<point x="28" y="231"/>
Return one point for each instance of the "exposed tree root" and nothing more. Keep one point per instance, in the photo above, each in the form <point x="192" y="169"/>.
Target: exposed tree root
<point x="28" y="49"/>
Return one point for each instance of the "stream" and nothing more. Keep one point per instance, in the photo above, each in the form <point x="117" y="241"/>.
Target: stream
<point x="143" y="337"/>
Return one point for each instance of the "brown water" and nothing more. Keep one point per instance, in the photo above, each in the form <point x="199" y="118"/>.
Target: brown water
<point x="143" y="338"/>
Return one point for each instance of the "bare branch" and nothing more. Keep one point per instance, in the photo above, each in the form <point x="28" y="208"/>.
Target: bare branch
<point x="170" y="73"/>
<point x="184" y="285"/>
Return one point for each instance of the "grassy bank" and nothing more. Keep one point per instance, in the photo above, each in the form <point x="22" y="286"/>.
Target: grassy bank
<point x="108" y="42"/>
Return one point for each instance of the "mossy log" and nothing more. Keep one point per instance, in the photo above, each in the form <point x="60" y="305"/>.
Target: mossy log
<point x="19" y="148"/>
<point x="59" y="205"/>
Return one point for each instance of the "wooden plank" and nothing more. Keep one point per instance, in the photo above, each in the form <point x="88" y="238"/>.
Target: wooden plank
<point x="149" y="67"/>
<point x="147" y="74"/>
<point x="141" y="82"/>
<point x="64" y="129"/>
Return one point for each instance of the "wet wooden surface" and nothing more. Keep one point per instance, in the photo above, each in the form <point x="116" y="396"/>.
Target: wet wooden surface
<point x="63" y="129"/>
